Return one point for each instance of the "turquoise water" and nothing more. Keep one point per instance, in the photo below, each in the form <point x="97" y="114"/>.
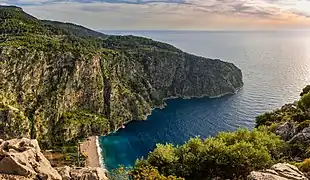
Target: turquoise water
<point x="275" y="66"/>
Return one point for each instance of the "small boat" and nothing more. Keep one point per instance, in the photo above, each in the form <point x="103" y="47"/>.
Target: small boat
<point x="123" y="126"/>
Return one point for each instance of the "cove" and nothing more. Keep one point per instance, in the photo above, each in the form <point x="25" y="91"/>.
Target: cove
<point x="275" y="67"/>
<point x="176" y="123"/>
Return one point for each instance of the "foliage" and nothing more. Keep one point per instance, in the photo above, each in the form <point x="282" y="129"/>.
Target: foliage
<point x="147" y="172"/>
<point x="229" y="155"/>
<point x="305" y="90"/>
<point x="79" y="124"/>
<point x="305" y="101"/>
<point x="304" y="166"/>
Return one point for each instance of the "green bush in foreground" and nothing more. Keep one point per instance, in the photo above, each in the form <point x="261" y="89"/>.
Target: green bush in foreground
<point x="228" y="155"/>
<point x="305" y="101"/>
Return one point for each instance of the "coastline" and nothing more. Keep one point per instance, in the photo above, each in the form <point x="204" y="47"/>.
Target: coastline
<point x="99" y="152"/>
<point x="204" y="95"/>
<point x="91" y="146"/>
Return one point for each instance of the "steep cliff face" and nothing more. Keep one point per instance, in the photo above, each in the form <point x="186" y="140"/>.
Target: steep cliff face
<point x="69" y="82"/>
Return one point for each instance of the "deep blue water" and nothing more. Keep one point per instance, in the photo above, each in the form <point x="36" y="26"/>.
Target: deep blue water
<point x="275" y="66"/>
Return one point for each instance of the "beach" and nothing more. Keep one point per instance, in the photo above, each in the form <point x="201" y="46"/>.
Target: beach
<point x="89" y="149"/>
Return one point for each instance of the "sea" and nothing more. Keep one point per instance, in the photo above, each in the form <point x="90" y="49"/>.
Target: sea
<point x="275" y="66"/>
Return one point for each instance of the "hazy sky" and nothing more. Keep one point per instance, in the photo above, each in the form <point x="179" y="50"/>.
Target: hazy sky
<point x="173" y="14"/>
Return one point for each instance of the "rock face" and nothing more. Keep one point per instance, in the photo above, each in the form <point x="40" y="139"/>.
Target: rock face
<point x="293" y="133"/>
<point x="13" y="122"/>
<point x="286" y="130"/>
<point x="86" y="173"/>
<point x="70" y="82"/>
<point x="302" y="137"/>
<point x="278" y="172"/>
<point x="22" y="157"/>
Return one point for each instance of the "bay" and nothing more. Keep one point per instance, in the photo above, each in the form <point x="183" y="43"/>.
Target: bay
<point x="275" y="66"/>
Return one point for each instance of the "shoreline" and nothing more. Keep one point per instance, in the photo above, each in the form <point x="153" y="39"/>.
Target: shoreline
<point x="91" y="146"/>
<point x="91" y="151"/>
<point x="99" y="152"/>
<point x="204" y="95"/>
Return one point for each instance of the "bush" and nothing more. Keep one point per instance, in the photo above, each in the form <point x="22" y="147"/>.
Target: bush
<point x="304" y="166"/>
<point x="148" y="172"/>
<point x="305" y="90"/>
<point x="228" y="155"/>
<point x="305" y="101"/>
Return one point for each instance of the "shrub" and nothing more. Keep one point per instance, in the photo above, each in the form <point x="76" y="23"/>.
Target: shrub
<point x="304" y="166"/>
<point x="147" y="172"/>
<point x="305" y="90"/>
<point x="228" y="155"/>
<point x="305" y="101"/>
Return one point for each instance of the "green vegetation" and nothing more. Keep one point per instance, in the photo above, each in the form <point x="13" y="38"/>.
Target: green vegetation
<point x="76" y="125"/>
<point x="304" y="102"/>
<point x="230" y="155"/>
<point x="305" y="165"/>
<point x="305" y="90"/>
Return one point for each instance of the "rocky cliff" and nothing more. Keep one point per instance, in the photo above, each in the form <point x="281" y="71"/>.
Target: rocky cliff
<point x="67" y="82"/>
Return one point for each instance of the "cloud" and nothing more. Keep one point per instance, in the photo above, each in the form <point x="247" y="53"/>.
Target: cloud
<point x="173" y="14"/>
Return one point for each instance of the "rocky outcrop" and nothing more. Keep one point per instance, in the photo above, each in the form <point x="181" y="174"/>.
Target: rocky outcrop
<point x="294" y="133"/>
<point x="287" y="130"/>
<point x="278" y="172"/>
<point x="87" y="173"/>
<point x="22" y="157"/>
<point x="302" y="137"/>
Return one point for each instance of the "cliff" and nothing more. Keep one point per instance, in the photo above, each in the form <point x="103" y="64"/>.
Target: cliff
<point x="67" y="82"/>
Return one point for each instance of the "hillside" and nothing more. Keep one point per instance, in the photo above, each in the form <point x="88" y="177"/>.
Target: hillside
<point x="61" y="82"/>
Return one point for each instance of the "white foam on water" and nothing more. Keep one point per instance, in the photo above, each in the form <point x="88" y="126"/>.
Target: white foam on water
<point x="99" y="151"/>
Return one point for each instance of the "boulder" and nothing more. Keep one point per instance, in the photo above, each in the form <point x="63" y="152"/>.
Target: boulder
<point x="23" y="157"/>
<point x="280" y="171"/>
<point x="85" y="173"/>
<point x="64" y="172"/>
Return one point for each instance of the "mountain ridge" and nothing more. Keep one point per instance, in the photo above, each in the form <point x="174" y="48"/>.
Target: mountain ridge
<point x="68" y="82"/>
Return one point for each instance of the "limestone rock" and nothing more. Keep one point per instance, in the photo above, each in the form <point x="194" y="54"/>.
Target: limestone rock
<point x="64" y="172"/>
<point x="280" y="171"/>
<point x="23" y="157"/>
<point x="286" y="130"/>
<point x="13" y="177"/>
<point x="86" y="173"/>
<point x="302" y="138"/>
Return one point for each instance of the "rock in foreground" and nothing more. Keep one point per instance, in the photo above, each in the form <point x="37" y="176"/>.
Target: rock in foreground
<point x="22" y="159"/>
<point x="278" y="172"/>
<point x="87" y="173"/>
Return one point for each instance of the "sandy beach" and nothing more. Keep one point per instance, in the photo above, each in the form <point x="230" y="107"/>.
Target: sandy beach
<point x="89" y="149"/>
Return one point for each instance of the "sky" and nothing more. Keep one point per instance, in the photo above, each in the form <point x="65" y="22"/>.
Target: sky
<point x="173" y="14"/>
